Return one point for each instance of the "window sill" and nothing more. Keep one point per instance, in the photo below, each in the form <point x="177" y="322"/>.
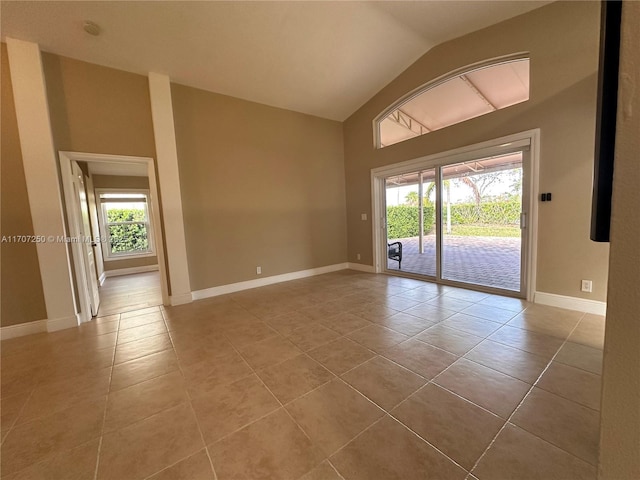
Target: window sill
<point x="132" y="256"/>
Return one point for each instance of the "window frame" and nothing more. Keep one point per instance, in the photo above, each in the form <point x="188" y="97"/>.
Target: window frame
<point x="104" y="224"/>
<point x="377" y="121"/>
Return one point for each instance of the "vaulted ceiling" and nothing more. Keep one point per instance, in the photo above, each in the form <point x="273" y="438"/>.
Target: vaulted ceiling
<point x="320" y="58"/>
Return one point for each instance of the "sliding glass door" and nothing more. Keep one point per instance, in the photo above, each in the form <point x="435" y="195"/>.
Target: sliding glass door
<point x="460" y="223"/>
<point x="411" y="222"/>
<point x="481" y="210"/>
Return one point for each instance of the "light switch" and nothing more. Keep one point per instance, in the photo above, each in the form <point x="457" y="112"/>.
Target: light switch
<point x="363" y="216"/>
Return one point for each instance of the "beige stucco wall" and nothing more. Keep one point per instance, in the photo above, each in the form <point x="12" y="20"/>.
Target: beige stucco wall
<point x="21" y="287"/>
<point x="98" y="109"/>
<point x="620" y="413"/>
<point x="562" y="40"/>
<point x="121" y="181"/>
<point x="261" y="186"/>
<point x="102" y="110"/>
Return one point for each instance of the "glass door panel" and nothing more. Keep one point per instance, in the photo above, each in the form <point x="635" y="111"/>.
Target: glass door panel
<point x="411" y="222"/>
<point x="481" y="208"/>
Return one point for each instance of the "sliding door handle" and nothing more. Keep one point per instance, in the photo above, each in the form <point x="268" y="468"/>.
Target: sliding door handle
<point x="523" y="220"/>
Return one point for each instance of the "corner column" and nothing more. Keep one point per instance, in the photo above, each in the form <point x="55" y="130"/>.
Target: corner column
<point x="169" y="181"/>
<point x="41" y="174"/>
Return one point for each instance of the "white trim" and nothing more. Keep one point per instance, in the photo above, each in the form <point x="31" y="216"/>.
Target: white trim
<point x="41" y="175"/>
<point x="532" y="223"/>
<point x="497" y="146"/>
<point x="155" y="204"/>
<point x="131" y="270"/>
<point x="571" y="303"/>
<point x="74" y="225"/>
<point x="107" y="256"/>
<point x="39" y="326"/>
<point x="102" y="278"/>
<point x="22" y="329"/>
<point x="56" y="324"/>
<point x="361" y="268"/>
<point x="181" y="299"/>
<point x="261" y="282"/>
<point x="514" y="57"/>
<point x="169" y="177"/>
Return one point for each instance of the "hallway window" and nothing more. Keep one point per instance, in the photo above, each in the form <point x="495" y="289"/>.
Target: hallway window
<point x="126" y="224"/>
<point x="457" y="97"/>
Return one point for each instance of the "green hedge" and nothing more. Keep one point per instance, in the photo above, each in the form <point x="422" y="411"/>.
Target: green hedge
<point x="487" y="213"/>
<point x="402" y="220"/>
<point x="130" y="237"/>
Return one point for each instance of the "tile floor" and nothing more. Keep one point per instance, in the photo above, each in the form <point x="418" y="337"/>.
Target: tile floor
<point x="341" y="376"/>
<point x="130" y="292"/>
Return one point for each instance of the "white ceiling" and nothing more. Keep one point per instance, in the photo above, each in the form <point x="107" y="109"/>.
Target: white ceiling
<point x="321" y="58"/>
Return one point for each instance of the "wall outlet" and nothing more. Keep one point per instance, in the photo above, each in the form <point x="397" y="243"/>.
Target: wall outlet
<point x="363" y="216"/>
<point x="587" y="286"/>
<point x="259" y="270"/>
<point x="358" y="256"/>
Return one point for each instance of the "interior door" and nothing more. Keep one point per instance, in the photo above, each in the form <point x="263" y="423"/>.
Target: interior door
<point x="87" y="242"/>
<point x="95" y="227"/>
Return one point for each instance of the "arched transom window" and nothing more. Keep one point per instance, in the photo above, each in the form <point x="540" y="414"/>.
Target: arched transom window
<point x="455" y="98"/>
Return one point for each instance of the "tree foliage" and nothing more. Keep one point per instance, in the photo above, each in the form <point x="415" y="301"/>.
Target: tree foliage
<point x="127" y="237"/>
<point x="403" y="220"/>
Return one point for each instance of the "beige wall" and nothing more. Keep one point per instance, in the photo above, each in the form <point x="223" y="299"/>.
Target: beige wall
<point x="562" y="39"/>
<point x="620" y="413"/>
<point x="121" y="181"/>
<point x="260" y="186"/>
<point x="98" y="109"/>
<point x="21" y="287"/>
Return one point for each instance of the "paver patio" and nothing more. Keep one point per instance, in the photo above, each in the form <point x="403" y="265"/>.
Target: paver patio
<point x="488" y="261"/>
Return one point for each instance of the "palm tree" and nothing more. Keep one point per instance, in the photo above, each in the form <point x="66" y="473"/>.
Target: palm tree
<point x="411" y="199"/>
<point x="431" y="188"/>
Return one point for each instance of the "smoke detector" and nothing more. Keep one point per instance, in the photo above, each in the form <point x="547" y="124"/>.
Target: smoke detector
<point x="91" y="28"/>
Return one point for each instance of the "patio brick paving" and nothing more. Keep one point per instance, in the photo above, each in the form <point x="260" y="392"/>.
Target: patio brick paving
<point x="489" y="261"/>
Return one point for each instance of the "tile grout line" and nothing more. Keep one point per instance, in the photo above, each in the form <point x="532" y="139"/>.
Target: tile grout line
<point x="193" y="411"/>
<point x="106" y="403"/>
<point x="13" y="424"/>
<point x="356" y="310"/>
<point x="533" y="385"/>
<point x="278" y="400"/>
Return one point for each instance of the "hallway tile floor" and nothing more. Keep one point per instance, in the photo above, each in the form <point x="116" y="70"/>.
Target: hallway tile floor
<point x="340" y="376"/>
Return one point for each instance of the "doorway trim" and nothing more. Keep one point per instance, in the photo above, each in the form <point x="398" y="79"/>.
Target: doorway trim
<point x="65" y="159"/>
<point x="529" y="138"/>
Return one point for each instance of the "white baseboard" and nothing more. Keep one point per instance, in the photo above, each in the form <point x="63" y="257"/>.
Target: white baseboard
<point x="56" y="324"/>
<point x="362" y="268"/>
<point x="180" y="299"/>
<point x="261" y="282"/>
<point x="22" y="329"/>
<point x="39" y="326"/>
<point x="131" y="270"/>
<point x="571" y="303"/>
<point x="102" y="277"/>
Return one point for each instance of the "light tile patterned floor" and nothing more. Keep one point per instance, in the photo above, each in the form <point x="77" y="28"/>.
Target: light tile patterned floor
<point x="130" y="292"/>
<point x="341" y="376"/>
